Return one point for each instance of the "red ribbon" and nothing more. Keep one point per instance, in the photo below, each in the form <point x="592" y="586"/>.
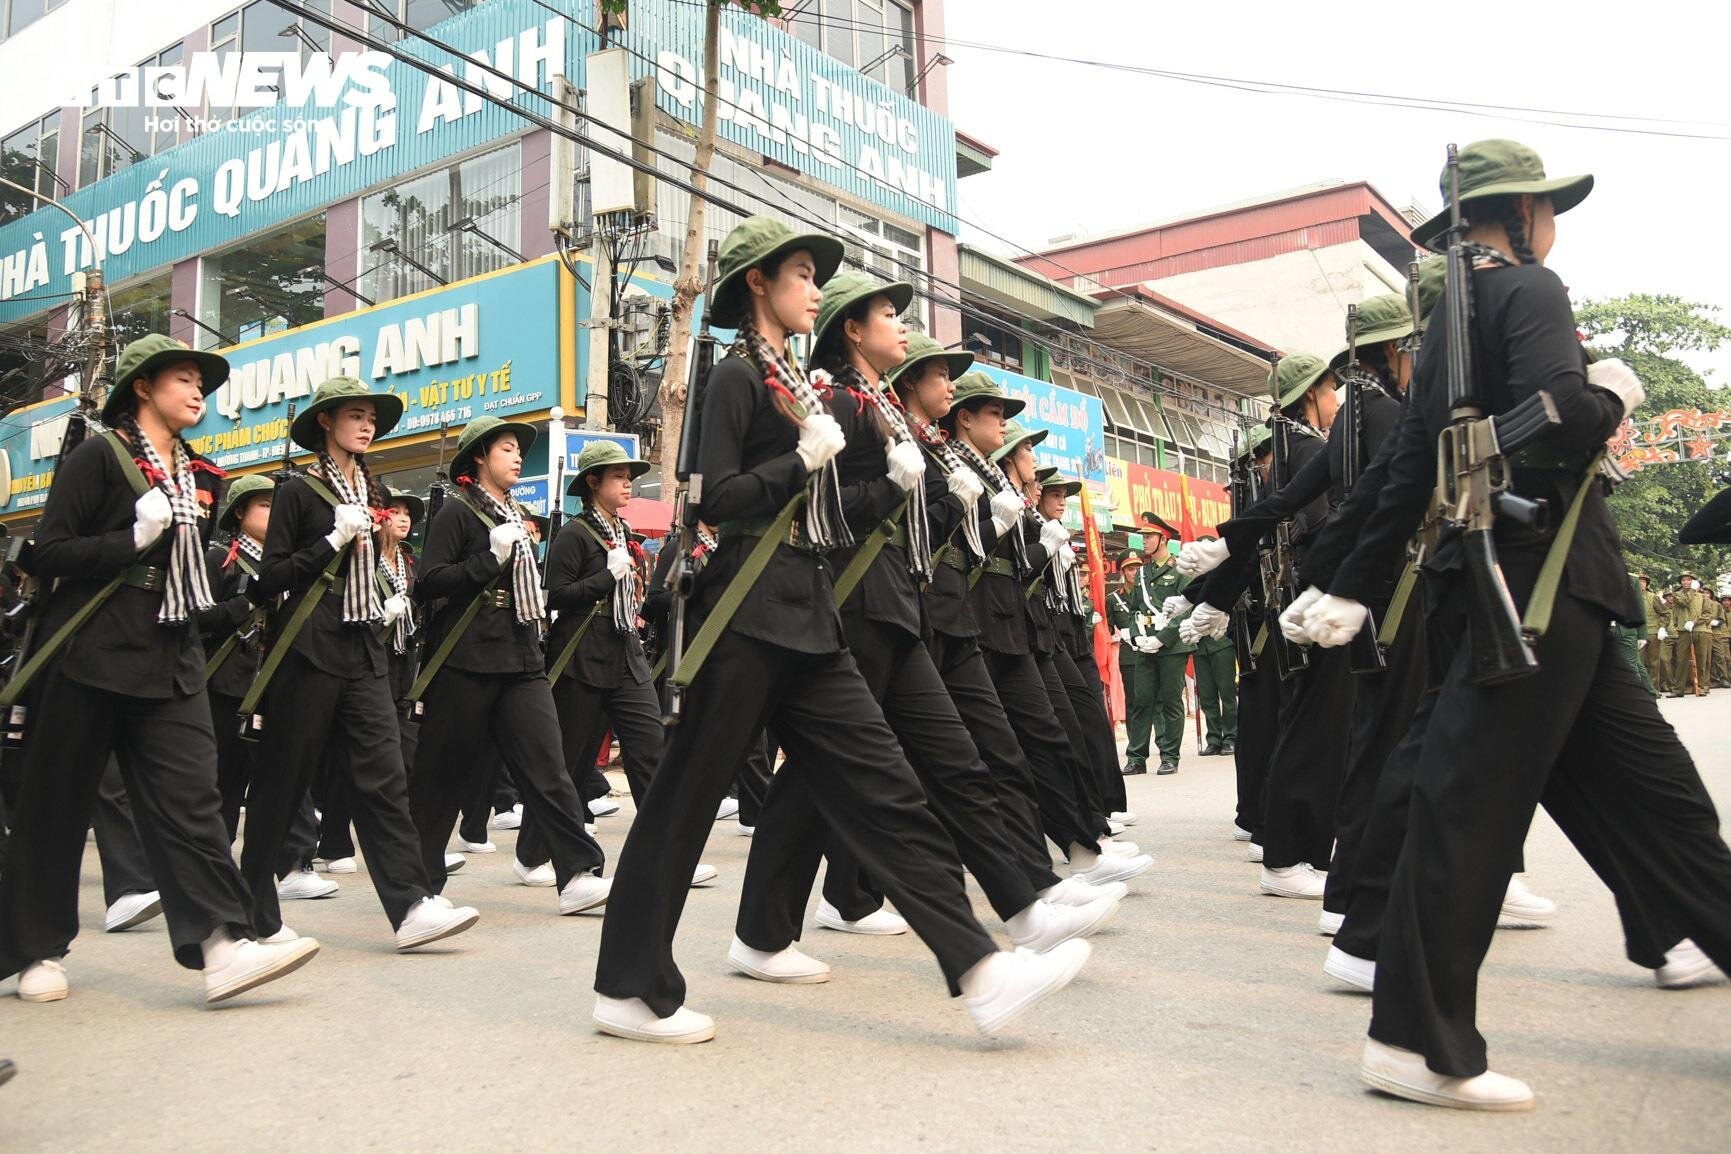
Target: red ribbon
<point x="233" y="549"/>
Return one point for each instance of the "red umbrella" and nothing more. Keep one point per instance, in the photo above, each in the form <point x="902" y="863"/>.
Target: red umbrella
<point x="647" y="516"/>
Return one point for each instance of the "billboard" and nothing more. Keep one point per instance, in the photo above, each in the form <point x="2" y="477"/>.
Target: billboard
<point x="1075" y="425"/>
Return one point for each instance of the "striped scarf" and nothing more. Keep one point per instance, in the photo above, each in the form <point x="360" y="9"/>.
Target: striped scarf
<point x="823" y="524"/>
<point x="896" y="432"/>
<point x="624" y="592"/>
<point x="187" y="588"/>
<point x="396" y="572"/>
<point x="361" y="604"/>
<point x="525" y="575"/>
<point x="996" y="482"/>
<point x="1064" y="591"/>
<point x="937" y="443"/>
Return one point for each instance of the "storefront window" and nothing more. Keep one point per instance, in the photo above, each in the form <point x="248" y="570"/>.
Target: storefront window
<point x="874" y="36"/>
<point x="265" y="287"/>
<point x="139" y="310"/>
<point x="17" y="15"/>
<point x="28" y="157"/>
<point x="417" y="223"/>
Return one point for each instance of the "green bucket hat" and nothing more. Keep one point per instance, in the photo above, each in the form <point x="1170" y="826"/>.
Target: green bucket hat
<point x="976" y="388"/>
<point x="601" y="455"/>
<point x="849" y="288"/>
<point x="1432" y="271"/>
<point x="243" y="489"/>
<point x="1296" y="376"/>
<point x="922" y="350"/>
<point x="1258" y="437"/>
<point x="1501" y="168"/>
<point x="306" y="433"/>
<point x="1048" y="478"/>
<point x="484" y="429"/>
<point x="752" y="243"/>
<point x="147" y="354"/>
<point x="1380" y="318"/>
<point x="417" y="507"/>
<point x="1014" y="434"/>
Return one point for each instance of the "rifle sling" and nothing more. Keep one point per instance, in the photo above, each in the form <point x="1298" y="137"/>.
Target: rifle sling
<point x="868" y="552"/>
<point x="1544" y="599"/>
<point x="1397" y="605"/>
<point x="734" y="595"/>
<point x="437" y="660"/>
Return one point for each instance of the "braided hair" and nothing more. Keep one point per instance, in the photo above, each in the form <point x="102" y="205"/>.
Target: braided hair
<point x="1506" y="211"/>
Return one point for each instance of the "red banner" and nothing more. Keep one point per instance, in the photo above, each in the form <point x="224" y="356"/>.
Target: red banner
<point x="1194" y="506"/>
<point x="1103" y="651"/>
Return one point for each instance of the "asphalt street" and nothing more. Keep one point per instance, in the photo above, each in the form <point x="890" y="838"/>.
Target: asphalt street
<point x="1203" y="1022"/>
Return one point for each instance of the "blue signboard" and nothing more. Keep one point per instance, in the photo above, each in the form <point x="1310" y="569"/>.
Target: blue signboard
<point x="489" y="345"/>
<point x="30" y="437"/>
<point x="1075" y="425"/>
<point x="383" y="118"/>
<point x="532" y="491"/>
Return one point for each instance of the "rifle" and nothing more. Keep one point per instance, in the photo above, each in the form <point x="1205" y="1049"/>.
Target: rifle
<point x="1367" y="654"/>
<point x="1241" y="494"/>
<point x="1473" y="472"/>
<point x="436" y="491"/>
<point x="688" y="498"/>
<point x="286" y="468"/>
<point x="1278" y="564"/>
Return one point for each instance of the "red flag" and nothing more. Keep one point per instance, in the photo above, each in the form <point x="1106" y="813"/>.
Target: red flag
<point x="1097" y="589"/>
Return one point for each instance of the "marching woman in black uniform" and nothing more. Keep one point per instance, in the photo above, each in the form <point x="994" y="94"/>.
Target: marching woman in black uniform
<point x="1580" y="734"/>
<point x="766" y="453"/>
<point x="121" y="536"/>
<point x="332" y="684"/>
<point x="488" y="693"/>
<point x="233" y="629"/>
<point x="886" y="493"/>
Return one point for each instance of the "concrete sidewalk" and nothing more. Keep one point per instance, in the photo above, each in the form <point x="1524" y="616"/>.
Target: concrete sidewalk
<point x="1203" y="1022"/>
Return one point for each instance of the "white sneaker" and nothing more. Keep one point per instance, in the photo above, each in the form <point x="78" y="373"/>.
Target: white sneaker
<point x="1404" y="1074"/>
<point x="253" y="964"/>
<point x="1359" y="973"/>
<point x="1114" y="828"/>
<point x="541" y="875"/>
<point x="1076" y="892"/>
<point x="131" y="910"/>
<point x="1239" y="833"/>
<point x="342" y="865"/>
<point x="283" y="934"/>
<point x="589" y="828"/>
<point x="788" y="966"/>
<point x="455" y="862"/>
<point x="746" y="830"/>
<point x="1112" y="868"/>
<point x="305" y="884"/>
<point x="431" y="919"/>
<point x="704" y="874"/>
<point x="466" y="846"/>
<point x="1253" y="853"/>
<point x="1328" y="923"/>
<point x="729" y="807"/>
<point x="1299" y="881"/>
<point x="584" y="892"/>
<point x="631" y="1018"/>
<point x="1523" y="909"/>
<point x="879" y="923"/>
<point x="1687" y="964"/>
<point x="1123" y="816"/>
<point x="1120" y="848"/>
<point x="603" y="807"/>
<point x="1048" y="926"/>
<point x="509" y="819"/>
<point x="43" y="981"/>
<point x="1019" y="980"/>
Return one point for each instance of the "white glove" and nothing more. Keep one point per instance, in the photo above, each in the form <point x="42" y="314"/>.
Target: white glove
<point x="1095" y="619"/>
<point x="1176" y="605"/>
<point x="1664" y="633"/>
<point x="1187" y="632"/>
<point x="1006" y="507"/>
<point x="503" y="538"/>
<point x="1334" y="621"/>
<point x="820" y="440"/>
<point x="395" y="606"/>
<point x="352" y="521"/>
<point x="1066" y="557"/>
<point x="1053" y="535"/>
<point x="1148" y="644"/>
<point x="907" y="464"/>
<point x="150" y="517"/>
<point x="1689" y="626"/>
<point x="1161" y="620"/>
<point x="1618" y="378"/>
<point x="1122" y="634"/>
<point x="1292" y="621"/>
<point x="1716" y="623"/>
<point x="1198" y="557"/>
<point x="1643" y="644"/>
<point x="965" y="485"/>
<point x="619" y="562"/>
<point x="1208" y="621"/>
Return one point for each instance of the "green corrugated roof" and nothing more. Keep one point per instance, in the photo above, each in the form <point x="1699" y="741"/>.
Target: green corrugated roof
<point x="1013" y="286"/>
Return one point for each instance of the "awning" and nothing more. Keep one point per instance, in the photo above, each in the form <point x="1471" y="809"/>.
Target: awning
<point x="1175" y="344"/>
<point x="1008" y="284"/>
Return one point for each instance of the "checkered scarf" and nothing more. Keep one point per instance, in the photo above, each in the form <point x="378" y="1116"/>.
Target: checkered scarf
<point x="249" y="549"/>
<point x="1064" y="590"/>
<point x="823" y="524"/>
<point x="996" y="482"/>
<point x="625" y="595"/>
<point x="525" y="574"/>
<point x="396" y="573"/>
<point x="937" y="443"/>
<point x="894" y="425"/>
<point x="187" y="588"/>
<point x="361" y="604"/>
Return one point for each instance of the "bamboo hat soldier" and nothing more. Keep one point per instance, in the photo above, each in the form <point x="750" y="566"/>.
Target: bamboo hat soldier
<point x="328" y="661"/>
<point x="771" y="652"/>
<point x="483" y="687"/>
<point x="233" y="629"/>
<point x="1579" y="732"/>
<point x="122" y="536"/>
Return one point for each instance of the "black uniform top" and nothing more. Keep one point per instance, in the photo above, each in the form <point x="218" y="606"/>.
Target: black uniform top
<point x="578" y="581"/>
<point x="1000" y="600"/>
<point x="457" y="562"/>
<point x="402" y="666"/>
<point x="233" y="586"/>
<point x="750" y="471"/>
<point x="1525" y="341"/>
<point x="1042" y="629"/>
<point x="85" y="539"/>
<point x="295" y="553"/>
<point x="948" y="608"/>
<point x="1711" y="525"/>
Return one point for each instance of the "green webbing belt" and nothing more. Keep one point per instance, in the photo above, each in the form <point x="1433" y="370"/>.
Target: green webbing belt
<point x="950" y="554"/>
<point x="326" y="578"/>
<point x="565" y="654"/>
<point x="868" y="552"/>
<point x="734" y="595"/>
<point x="228" y="646"/>
<point x="437" y="660"/>
<point x="1397" y="605"/>
<point x="1538" y="616"/>
<point x="1261" y="640"/>
<point x="1002" y="566"/>
<point x="46" y="651"/>
<point x="1035" y="589"/>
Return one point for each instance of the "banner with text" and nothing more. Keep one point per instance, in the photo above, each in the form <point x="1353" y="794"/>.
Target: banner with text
<point x="1136" y="488"/>
<point x="1075" y="425"/>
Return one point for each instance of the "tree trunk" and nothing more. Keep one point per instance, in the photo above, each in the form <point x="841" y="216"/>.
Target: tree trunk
<point x="690" y="282"/>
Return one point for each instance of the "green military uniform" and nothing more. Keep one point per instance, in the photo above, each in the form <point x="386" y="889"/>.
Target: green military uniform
<point x="1653" y="653"/>
<point x="1722" y="647"/>
<point x="1130" y="616"/>
<point x="1690" y="610"/>
<point x="1628" y="637"/>
<point x="1170" y="663"/>
<point x="1217" y="690"/>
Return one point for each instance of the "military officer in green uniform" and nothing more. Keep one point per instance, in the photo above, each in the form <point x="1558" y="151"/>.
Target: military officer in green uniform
<point x="1630" y="638"/>
<point x="1170" y="654"/>
<point x="1722" y="645"/>
<point x="1652" y="649"/>
<point x="1131" y="619"/>
<point x="1691" y="614"/>
<point x="1217" y="689"/>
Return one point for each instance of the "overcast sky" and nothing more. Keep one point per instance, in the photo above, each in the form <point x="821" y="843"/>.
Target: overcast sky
<point x="1086" y="149"/>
